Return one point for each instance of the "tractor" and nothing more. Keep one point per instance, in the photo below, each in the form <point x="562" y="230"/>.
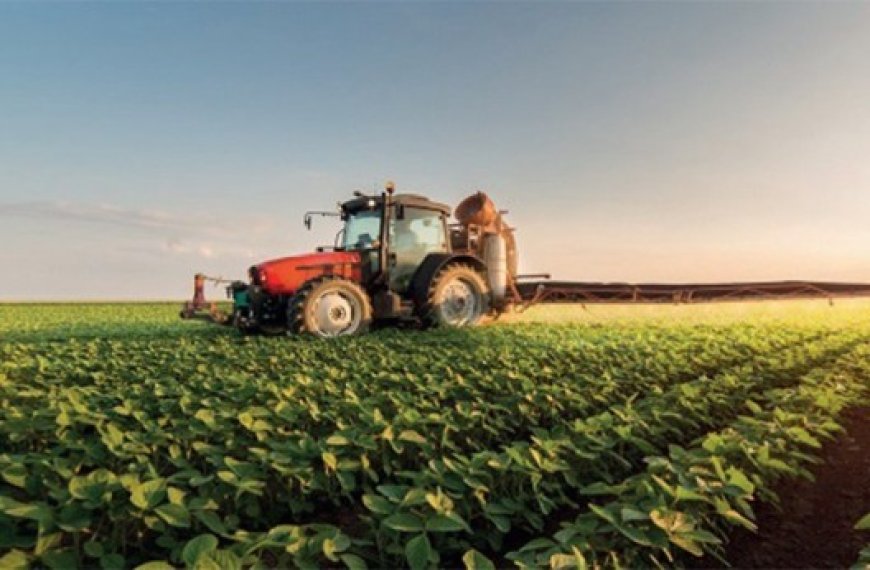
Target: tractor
<point x="398" y="258"/>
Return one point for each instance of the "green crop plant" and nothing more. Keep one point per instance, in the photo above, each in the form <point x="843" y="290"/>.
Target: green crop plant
<point x="129" y="438"/>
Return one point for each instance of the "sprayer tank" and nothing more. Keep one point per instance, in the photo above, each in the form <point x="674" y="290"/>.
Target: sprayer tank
<point x="478" y="210"/>
<point x="495" y="256"/>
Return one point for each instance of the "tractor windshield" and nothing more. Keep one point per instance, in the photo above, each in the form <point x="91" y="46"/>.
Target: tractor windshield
<point x="362" y="229"/>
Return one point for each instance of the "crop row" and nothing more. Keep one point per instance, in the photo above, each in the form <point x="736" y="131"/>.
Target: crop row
<point x="688" y="498"/>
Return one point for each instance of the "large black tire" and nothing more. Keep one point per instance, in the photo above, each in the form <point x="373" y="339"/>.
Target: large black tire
<point x="459" y="296"/>
<point x="328" y="307"/>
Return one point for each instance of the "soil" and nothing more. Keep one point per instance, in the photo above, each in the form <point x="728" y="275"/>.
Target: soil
<point x="813" y="526"/>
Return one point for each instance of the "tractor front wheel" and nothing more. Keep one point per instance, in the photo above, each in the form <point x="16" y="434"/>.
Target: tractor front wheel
<point x="458" y="297"/>
<point x="329" y="307"/>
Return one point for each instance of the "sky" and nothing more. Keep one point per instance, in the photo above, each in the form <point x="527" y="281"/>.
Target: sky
<point x="645" y="142"/>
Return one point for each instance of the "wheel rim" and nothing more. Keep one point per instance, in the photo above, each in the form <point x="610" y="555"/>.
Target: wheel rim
<point x="460" y="303"/>
<point x="335" y="314"/>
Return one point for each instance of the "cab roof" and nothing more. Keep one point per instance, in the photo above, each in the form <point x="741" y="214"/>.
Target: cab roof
<point x="409" y="200"/>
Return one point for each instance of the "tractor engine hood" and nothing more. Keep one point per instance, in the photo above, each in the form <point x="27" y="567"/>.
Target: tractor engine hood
<point x="286" y="275"/>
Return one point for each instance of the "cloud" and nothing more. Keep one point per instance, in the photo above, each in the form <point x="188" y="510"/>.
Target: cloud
<point x="198" y="236"/>
<point x="207" y="250"/>
<point x="154" y="220"/>
<point x="175" y="246"/>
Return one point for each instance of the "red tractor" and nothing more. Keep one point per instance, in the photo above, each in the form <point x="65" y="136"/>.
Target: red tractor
<point x="397" y="258"/>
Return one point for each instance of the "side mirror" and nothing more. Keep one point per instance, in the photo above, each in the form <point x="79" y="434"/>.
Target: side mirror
<point x="307" y="221"/>
<point x="400" y="211"/>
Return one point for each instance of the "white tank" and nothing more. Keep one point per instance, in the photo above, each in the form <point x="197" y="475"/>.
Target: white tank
<point x="495" y="256"/>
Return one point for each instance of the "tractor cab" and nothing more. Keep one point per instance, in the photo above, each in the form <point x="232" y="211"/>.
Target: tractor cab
<point x="399" y="231"/>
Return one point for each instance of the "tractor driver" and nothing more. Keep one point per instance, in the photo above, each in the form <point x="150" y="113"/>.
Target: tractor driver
<point x="405" y="237"/>
<point x="365" y="241"/>
<point x="408" y="248"/>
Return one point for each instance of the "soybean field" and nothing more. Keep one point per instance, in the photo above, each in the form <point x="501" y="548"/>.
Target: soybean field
<point x="563" y="438"/>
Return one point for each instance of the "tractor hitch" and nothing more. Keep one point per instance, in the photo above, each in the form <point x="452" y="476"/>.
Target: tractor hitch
<point x="198" y="307"/>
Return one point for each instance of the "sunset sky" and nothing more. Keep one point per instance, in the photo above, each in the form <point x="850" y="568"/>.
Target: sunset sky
<point x="140" y="143"/>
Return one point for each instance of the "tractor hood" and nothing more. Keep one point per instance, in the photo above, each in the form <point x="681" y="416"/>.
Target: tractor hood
<point x="286" y="275"/>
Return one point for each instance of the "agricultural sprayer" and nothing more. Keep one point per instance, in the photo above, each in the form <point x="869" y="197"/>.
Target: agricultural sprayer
<point x="400" y="258"/>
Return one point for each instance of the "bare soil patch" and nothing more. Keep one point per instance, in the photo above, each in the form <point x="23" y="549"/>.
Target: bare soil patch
<point x="813" y="526"/>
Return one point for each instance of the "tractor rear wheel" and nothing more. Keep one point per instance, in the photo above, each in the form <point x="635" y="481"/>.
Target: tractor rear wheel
<point x="328" y="307"/>
<point x="458" y="297"/>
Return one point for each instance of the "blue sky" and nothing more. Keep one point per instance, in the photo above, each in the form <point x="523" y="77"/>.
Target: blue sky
<point x="140" y="143"/>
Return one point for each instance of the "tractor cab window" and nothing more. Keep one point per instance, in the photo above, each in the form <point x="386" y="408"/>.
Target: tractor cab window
<point x="414" y="234"/>
<point x="362" y="230"/>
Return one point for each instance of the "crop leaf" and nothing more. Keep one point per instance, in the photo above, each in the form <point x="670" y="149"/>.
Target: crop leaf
<point x="60" y="559"/>
<point x="155" y="565"/>
<point x="474" y="560"/>
<point x="412" y="436"/>
<point x="175" y="515"/>
<point x="451" y="522"/>
<point x="225" y="559"/>
<point x="417" y="552"/>
<point x="353" y="562"/>
<point x="14" y="560"/>
<point x="378" y="504"/>
<point x="212" y="521"/>
<point x="149" y="494"/>
<point x="196" y="547"/>
<point x="112" y="562"/>
<point x="15" y="475"/>
<point x="404" y="522"/>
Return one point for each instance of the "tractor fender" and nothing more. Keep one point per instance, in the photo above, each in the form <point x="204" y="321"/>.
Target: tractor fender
<point x="432" y="264"/>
